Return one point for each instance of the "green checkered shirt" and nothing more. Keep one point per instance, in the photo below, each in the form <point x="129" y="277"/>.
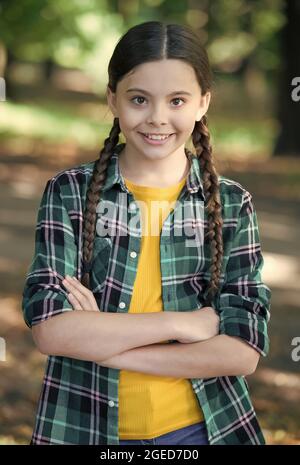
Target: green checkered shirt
<point x="79" y="399"/>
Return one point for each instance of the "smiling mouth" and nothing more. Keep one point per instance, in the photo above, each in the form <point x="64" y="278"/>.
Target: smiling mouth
<point x="154" y="136"/>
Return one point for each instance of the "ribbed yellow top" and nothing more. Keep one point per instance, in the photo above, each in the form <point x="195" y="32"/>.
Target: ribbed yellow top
<point x="150" y="405"/>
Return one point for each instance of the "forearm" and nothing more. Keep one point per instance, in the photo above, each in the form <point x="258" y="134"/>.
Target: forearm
<point x="221" y="355"/>
<point x="96" y="336"/>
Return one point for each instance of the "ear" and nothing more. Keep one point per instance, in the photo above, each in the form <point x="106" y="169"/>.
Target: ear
<point x="204" y="104"/>
<point x="111" y="101"/>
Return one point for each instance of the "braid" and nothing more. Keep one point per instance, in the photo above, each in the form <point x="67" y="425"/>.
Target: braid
<point x="92" y="198"/>
<point x="201" y="141"/>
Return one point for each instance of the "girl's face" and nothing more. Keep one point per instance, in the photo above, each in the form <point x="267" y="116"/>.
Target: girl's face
<point x="159" y="97"/>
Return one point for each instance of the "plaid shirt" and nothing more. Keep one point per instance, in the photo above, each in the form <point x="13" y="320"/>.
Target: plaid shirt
<point x="79" y="399"/>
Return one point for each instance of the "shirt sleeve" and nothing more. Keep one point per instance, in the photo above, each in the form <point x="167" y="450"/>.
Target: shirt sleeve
<point x="244" y="300"/>
<point x="55" y="256"/>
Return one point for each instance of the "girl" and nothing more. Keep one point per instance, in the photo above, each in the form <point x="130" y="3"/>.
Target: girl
<point x="173" y="371"/>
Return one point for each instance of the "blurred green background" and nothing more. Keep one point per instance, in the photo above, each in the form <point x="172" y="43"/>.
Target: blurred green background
<point x="53" y="115"/>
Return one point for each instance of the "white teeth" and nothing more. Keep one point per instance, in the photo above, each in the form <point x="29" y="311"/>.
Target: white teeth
<point x="156" y="137"/>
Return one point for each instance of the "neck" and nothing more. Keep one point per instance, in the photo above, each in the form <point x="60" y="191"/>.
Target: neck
<point x="156" y="173"/>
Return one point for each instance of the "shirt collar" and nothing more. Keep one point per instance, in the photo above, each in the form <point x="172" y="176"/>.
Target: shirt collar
<point x="193" y="184"/>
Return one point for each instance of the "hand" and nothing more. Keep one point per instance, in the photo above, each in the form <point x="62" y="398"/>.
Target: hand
<point x="198" y="325"/>
<point x="80" y="297"/>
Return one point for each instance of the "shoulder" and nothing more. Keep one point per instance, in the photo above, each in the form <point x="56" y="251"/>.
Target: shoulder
<point x="79" y="174"/>
<point x="71" y="182"/>
<point x="233" y="190"/>
<point x="230" y="187"/>
<point x="234" y="197"/>
<point x="69" y="187"/>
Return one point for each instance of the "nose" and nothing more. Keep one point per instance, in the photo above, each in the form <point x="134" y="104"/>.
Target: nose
<point x="157" y="115"/>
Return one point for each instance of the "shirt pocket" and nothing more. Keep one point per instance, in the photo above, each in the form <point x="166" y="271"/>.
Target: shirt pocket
<point x="189" y="256"/>
<point x="101" y="255"/>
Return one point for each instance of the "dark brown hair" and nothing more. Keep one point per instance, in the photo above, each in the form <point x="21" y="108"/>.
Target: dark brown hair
<point x="145" y="42"/>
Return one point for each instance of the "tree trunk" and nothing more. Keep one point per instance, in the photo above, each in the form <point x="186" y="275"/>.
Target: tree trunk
<point x="288" y="142"/>
<point x="9" y="89"/>
<point x="48" y="67"/>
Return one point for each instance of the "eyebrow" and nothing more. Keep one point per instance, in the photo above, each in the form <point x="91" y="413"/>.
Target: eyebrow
<point x="135" y="89"/>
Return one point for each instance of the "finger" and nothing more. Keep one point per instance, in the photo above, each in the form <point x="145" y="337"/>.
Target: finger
<point x="76" y="292"/>
<point x="74" y="302"/>
<point x="83" y="295"/>
<point x="78" y="285"/>
<point x="91" y="301"/>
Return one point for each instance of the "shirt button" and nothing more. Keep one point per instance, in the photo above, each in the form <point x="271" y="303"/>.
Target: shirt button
<point x="132" y="206"/>
<point x="122" y="304"/>
<point x="133" y="254"/>
<point x="111" y="403"/>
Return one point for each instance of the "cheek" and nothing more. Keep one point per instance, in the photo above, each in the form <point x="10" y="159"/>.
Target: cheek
<point x="130" y="119"/>
<point x="185" y="126"/>
<point x="184" y="122"/>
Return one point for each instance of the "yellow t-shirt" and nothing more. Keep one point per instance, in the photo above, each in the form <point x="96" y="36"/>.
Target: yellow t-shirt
<point x="150" y="405"/>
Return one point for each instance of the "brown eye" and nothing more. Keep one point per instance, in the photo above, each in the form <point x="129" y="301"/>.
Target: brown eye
<point x="137" y="97"/>
<point x="178" y="98"/>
